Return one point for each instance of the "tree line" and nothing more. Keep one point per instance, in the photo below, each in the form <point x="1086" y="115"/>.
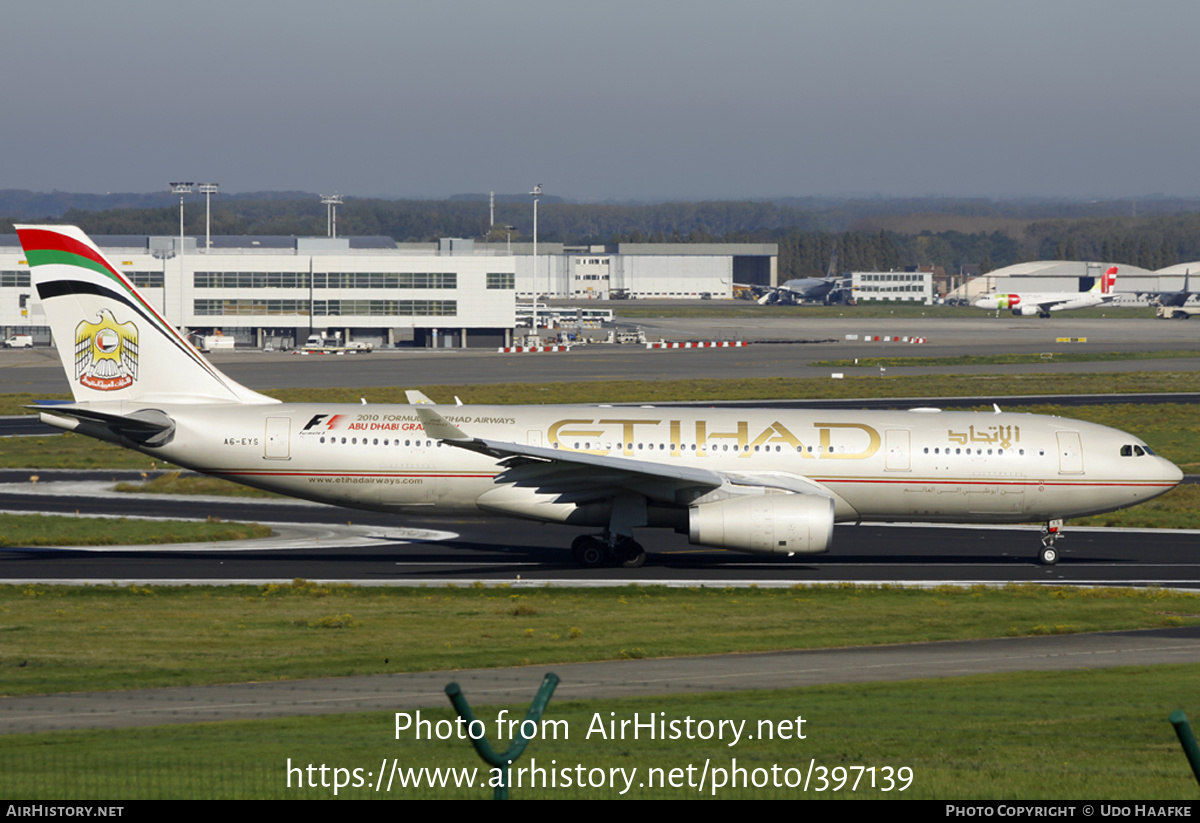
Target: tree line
<point x="806" y="238"/>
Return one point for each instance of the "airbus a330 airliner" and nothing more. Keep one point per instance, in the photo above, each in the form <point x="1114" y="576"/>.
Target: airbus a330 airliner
<point x="753" y="480"/>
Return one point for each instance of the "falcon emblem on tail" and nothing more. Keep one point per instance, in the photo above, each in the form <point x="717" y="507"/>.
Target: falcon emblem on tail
<point x="106" y="353"/>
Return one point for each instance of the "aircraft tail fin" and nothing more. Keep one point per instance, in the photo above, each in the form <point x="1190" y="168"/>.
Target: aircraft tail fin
<point x="112" y="342"/>
<point x="1107" y="281"/>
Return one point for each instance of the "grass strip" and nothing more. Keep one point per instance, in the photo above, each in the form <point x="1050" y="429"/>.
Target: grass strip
<point x="703" y="389"/>
<point x="176" y="483"/>
<point x="20" y="530"/>
<point x="1177" y="509"/>
<point x="1096" y="735"/>
<point x="64" y="638"/>
<point x="768" y="388"/>
<point x="1004" y="359"/>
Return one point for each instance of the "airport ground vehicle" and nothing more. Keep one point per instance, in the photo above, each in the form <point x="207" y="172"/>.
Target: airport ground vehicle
<point x="1176" y="312"/>
<point x="332" y="344"/>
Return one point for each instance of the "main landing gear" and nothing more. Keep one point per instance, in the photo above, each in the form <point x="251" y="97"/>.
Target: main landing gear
<point x="1048" y="554"/>
<point x="593" y="550"/>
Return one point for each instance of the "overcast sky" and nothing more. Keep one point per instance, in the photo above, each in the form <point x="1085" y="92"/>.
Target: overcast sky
<point x="609" y="99"/>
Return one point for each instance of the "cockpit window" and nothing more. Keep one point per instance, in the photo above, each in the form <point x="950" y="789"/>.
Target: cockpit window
<point x="1127" y="451"/>
<point x="1137" y="450"/>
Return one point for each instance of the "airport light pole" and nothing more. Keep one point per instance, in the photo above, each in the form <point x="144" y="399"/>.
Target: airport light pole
<point x="331" y="201"/>
<point x="508" y="230"/>
<point x="208" y="190"/>
<point x="536" y="195"/>
<point x="164" y="255"/>
<point x="181" y="189"/>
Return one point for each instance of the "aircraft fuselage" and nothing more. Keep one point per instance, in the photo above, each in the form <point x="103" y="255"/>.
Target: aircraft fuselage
<point x="877" y="466"/>
<point x="1035" y="303"/>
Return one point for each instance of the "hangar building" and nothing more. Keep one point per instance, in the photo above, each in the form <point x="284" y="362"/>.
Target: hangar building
<point x="644" y="270"/>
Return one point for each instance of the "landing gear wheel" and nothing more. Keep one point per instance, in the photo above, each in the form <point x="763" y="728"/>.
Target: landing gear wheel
<point x="631" y="554"/>
<point x="1051" y="533"/>
<point x="589" y="552"/>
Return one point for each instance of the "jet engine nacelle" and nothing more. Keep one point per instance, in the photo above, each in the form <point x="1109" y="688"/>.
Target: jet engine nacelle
<point x="765" y="523"/>
<point x="1026" y="311"/>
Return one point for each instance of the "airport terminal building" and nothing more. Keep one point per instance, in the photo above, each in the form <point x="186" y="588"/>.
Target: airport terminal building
<point x="279" y="290"/>
<point x="902" y="286"/>
<point x="453" y="293"/>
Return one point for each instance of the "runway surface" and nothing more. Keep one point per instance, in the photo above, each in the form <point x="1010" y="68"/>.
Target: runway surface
<point x="329" y="543"/>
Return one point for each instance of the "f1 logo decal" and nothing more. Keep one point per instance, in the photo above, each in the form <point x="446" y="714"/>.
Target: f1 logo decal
<point x="322" y="422"/>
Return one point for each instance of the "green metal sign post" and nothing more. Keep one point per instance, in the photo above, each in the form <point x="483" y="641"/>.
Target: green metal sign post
<point x="1187" y="740"/>
<point x="504" y="759"/>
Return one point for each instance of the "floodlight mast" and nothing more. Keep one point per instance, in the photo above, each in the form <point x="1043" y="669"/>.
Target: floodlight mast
<point x="331" y="201"/>
<point x="181" y="189"/>
<point x="536" y="195"/>
<point x="208" y="190"/>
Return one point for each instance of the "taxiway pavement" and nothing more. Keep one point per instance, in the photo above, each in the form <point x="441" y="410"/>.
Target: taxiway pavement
<point x="607" y="680"/>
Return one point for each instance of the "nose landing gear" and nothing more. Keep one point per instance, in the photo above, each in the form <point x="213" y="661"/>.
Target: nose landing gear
<point x="1048" y="554"/>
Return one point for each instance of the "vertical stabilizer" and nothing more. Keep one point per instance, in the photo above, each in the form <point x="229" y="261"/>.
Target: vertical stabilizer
<point x="113" y="344"/>
<point x="832" y="271"/>
<point x="1108" y="281"/>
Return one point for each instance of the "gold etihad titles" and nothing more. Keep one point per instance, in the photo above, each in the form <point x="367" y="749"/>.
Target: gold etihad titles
<point x="629" y="436"/>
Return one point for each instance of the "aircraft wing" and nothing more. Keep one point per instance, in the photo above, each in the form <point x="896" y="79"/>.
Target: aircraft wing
<point x="555" y="469"/>
<point x="577" y="473"/>
<point x="1048" y="305"/>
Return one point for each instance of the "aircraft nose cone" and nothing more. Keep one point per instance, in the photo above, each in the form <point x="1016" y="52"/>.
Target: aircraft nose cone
<point x="1171" y="472"/>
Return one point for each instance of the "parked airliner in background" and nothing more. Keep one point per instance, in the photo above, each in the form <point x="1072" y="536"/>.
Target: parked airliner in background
<point x="1171" y="303"/>
<point x="1043" y="303"/>
<point x="754" y="480"/>
<point x="803" y="288"/>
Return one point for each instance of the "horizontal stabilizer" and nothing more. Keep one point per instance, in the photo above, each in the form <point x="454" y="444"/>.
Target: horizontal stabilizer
<point x="149" y="427"/>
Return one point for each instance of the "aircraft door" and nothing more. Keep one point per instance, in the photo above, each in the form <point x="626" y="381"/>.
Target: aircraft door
<point x="1070" y="453"/>
<point x="276" y="442"/>
<point x="897" y="450"/>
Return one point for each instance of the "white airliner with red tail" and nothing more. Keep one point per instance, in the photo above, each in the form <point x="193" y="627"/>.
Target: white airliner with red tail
<point x="768" y="481"/>
<point x="1043" y="303"/>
